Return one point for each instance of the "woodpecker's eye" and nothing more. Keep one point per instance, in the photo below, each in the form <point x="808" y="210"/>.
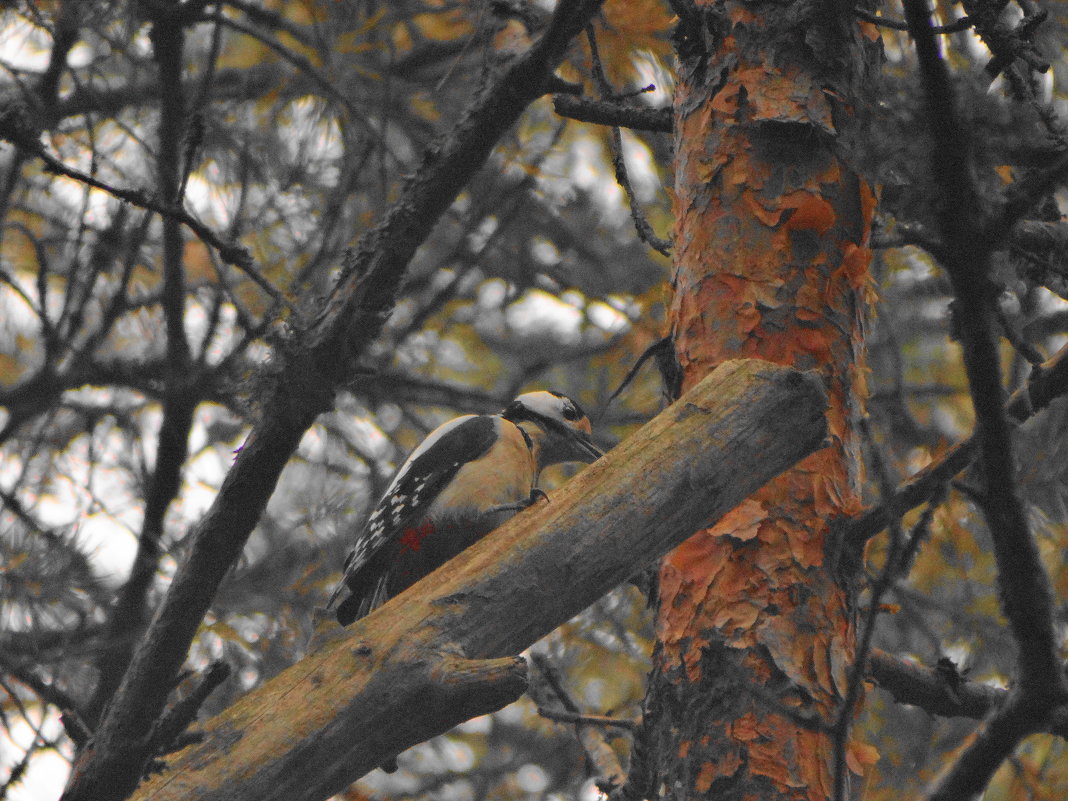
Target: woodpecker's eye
<point x="570" y="412"/>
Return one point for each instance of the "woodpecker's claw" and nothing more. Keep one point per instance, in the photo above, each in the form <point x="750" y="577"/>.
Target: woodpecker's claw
<point x="519" y="506"/>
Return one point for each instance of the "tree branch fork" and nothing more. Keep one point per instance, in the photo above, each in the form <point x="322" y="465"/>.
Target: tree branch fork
<point x="444" y="651"/>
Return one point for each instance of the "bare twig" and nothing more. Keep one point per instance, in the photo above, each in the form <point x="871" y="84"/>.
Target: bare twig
<point x="171" y="727"/>
<point x="15" y="127"/>
<point x="614" y="113"/>
<point x="232" y="253"/>
<point x="600" y="754"/>
<point x="962" y="24"/>
<point x="1028" y="351"/>
<point x="855" y="682"/>
<point x="70" y="713"/>
<point x="588" y="720"/>
<point x="641" y="224"/>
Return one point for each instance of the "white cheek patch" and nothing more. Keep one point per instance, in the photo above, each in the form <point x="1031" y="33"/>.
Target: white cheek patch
<point x="543" y="403"/>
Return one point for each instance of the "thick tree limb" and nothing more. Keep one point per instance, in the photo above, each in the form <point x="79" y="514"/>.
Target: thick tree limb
<point x="1024" y="587"/>
<point x="310" y="367"/>
<point x="995" y="741"/>
<point x="1036" y="236"/>
<point x="441" y="652"/>
<point x="127" y="618"/>
<point x="928" y="689"/>
<point x="1026" y="594"/>
<point x="910" y="683"/>
<point x="1011" y="717"/>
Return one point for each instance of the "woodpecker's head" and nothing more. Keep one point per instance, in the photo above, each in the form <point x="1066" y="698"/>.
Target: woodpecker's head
<point x="557" y="425"/>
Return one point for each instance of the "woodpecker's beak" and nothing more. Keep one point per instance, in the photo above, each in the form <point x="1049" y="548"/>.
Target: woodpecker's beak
<point x="568" y="444"/>
<point x="585" y="450"/>
<point x="580" y="446"/>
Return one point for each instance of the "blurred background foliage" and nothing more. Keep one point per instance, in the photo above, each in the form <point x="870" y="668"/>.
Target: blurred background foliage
<point x="303" y="118"/>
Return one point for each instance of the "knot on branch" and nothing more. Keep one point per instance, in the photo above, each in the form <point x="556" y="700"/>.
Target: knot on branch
<point x="17" y="123"/>
<point x="299" y="385"/>
<point x="480" y="686"/>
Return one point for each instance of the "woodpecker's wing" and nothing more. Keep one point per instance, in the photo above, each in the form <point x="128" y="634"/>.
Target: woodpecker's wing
<point x="422" y="477"/>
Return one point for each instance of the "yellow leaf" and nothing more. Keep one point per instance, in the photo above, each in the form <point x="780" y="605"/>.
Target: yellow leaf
<point x="14" y="562"/>
<point x="860" y="756"/>
<point x="224" y="631"/>
<point x="10" y="370"/>
<point x="197" y="260"/>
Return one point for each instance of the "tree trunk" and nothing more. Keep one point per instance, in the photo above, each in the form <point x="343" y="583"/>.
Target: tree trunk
<point x="755" y="625"/>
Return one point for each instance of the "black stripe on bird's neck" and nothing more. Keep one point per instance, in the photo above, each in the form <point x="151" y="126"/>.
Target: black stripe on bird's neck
<point x="526" y="438"/>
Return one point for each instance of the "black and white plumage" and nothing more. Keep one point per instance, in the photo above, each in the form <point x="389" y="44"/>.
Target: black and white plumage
<point x="465" y="479"/>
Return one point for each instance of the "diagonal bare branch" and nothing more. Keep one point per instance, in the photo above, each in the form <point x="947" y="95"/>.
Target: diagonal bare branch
<point x="441" y="652"/>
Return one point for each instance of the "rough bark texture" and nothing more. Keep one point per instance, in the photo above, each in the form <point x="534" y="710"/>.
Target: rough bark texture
<point x="755" y="630"/>
<point x="441" y="652"/>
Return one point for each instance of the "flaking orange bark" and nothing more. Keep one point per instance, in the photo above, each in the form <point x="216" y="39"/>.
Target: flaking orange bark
<point x="771" y="252"/>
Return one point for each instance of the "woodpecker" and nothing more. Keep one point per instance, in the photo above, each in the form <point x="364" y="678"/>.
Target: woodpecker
<point x="465" y="479"/>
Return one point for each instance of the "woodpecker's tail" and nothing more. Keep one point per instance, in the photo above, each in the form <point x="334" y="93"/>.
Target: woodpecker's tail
<point x="362" y="603"/>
